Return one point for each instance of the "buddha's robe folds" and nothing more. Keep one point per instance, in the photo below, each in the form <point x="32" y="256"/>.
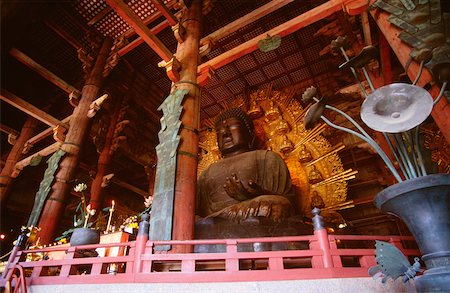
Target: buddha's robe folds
<point x="264" y="167"/>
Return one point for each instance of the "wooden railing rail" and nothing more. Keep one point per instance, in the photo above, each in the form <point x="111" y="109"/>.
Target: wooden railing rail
<point x="302" y="257"/>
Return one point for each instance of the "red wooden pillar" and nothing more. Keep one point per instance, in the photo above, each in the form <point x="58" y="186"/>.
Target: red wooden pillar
<point x="14" y="155"/>
<point x="56" y="202"/>
<point x="104" y="160"/>
<point x="186" y="176"/>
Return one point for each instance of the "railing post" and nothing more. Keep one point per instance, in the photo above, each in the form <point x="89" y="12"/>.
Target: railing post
<point x="337" y="262"/>
<point x="20" y="245"/>
<point x="231" y="263"/>
<point x="141" y="241"/>
<point x="322" y="238"/>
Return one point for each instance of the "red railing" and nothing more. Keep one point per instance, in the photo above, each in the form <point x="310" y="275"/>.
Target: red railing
<point x="302" y="257"/>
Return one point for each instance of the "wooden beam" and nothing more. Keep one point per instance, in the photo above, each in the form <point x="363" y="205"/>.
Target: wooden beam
<point x="8" y="130"/>
<point x="128" y="15"/>
<point x="129" y="187"/>
<point x="99" y="16"/>
<point x="43" y="153"/>
<point x="45" y="73"/>
<point x="441" y="110"/>
<point x="245" y="20"/>
<point x="63" y="34"/>
<point x="152" y="17"/>
<point x="30" y="109"/>
<point x="165" y="11"/>
<point x="282" y="30"/>
<point x="47" y="132"/>
<point x="119" y="182"/>
<point x="156" y="29"/>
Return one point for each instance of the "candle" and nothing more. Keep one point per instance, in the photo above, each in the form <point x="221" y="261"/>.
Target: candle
<point x="111" y="210"/>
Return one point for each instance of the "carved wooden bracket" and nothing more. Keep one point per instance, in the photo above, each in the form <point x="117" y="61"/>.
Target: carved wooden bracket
<point x="354" y="7"/>
<point x="86" y="59"/>
<point x="27" y="147"/>
<point x="111" y="62"/>
<point x="59" y="133"/>
<point x="205" y="75"/>
<point x="12" y="137"/>
<point x="173" y="68"/>
<point x="116" y="143"/>
<point x="120" y="126"/>
<point x="106" y="180"/>
<point x="179" y="32"/>
<point x="74" y="99"/>
<point x="206" y="46"/>
<point x="114" y="56"/>
<point x="95" y="105"/>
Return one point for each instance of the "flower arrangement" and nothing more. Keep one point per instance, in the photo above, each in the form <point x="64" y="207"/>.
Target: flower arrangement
<point x="85" y="212"/>
<point x="130" y="223"/>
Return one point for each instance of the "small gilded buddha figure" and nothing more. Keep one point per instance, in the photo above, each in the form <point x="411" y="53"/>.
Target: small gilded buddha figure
<point x="282" y="127"/>
<point x="286" y="145"/>
<point x="304" y="155"/>
<point x="314" y="175"/>
<point x="273" y="113"/>
<point x="255" y="110"/>
<point x="317" y="201"/>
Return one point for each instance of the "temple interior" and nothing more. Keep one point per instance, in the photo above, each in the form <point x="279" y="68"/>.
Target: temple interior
<point x="261" y="56"/>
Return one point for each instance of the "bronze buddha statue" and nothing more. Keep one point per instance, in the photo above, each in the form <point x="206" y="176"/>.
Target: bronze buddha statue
<point x="248" y="192"/>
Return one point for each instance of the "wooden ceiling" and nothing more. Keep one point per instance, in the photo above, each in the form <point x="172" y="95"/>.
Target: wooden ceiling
<point x="51" y="32"/>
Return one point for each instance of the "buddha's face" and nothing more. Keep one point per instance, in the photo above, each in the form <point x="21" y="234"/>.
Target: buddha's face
<point x="232" y="137"/>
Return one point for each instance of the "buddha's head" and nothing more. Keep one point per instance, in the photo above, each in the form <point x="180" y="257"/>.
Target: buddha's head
<point x="235" y="132"/>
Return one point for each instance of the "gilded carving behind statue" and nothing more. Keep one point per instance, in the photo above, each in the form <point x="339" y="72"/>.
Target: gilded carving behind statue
<point x="278" y="122"/>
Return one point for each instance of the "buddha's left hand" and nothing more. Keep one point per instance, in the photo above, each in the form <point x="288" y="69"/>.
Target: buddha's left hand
<point x="275" y="207"/>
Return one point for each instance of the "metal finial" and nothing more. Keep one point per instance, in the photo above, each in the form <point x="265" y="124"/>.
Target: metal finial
<point x="317" y="219"/>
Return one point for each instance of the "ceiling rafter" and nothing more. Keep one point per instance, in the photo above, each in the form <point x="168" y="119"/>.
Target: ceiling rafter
<point x="42" y="153"/>
<point x="45" y="133"/>
<point x="164" y="10"/>
<point x="245" y="20"/>
<point x="8" y="130"/>
<point x="305" y="19"/>
<point x="30" y="109"/>
<point x="128" y="15"/>
<point x="44" y="72"/>
<point x="139" y="40"/>
<point x="154" y="16"/>
<point x="63" y="34"/>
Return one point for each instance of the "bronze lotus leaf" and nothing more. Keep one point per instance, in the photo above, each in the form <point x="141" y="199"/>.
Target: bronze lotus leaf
<point x="314" y="113"/>
<point x="309" y="94"/>
<point x="396" y="108"/>
<point x="367" y="53"/>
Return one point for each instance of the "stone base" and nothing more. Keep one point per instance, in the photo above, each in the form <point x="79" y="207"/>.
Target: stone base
<point x="347" y="285"/>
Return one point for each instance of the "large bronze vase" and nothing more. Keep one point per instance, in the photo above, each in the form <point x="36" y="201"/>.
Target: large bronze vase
<point x="84" y="236"/>
<point x="424" y="205"/>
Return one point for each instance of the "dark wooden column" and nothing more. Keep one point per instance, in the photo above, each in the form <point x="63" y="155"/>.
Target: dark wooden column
<point x="56" y="202"/>
<point x="28" y="130"/>
<point x="186" y="175"/>
<point x="104" y="160"/>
